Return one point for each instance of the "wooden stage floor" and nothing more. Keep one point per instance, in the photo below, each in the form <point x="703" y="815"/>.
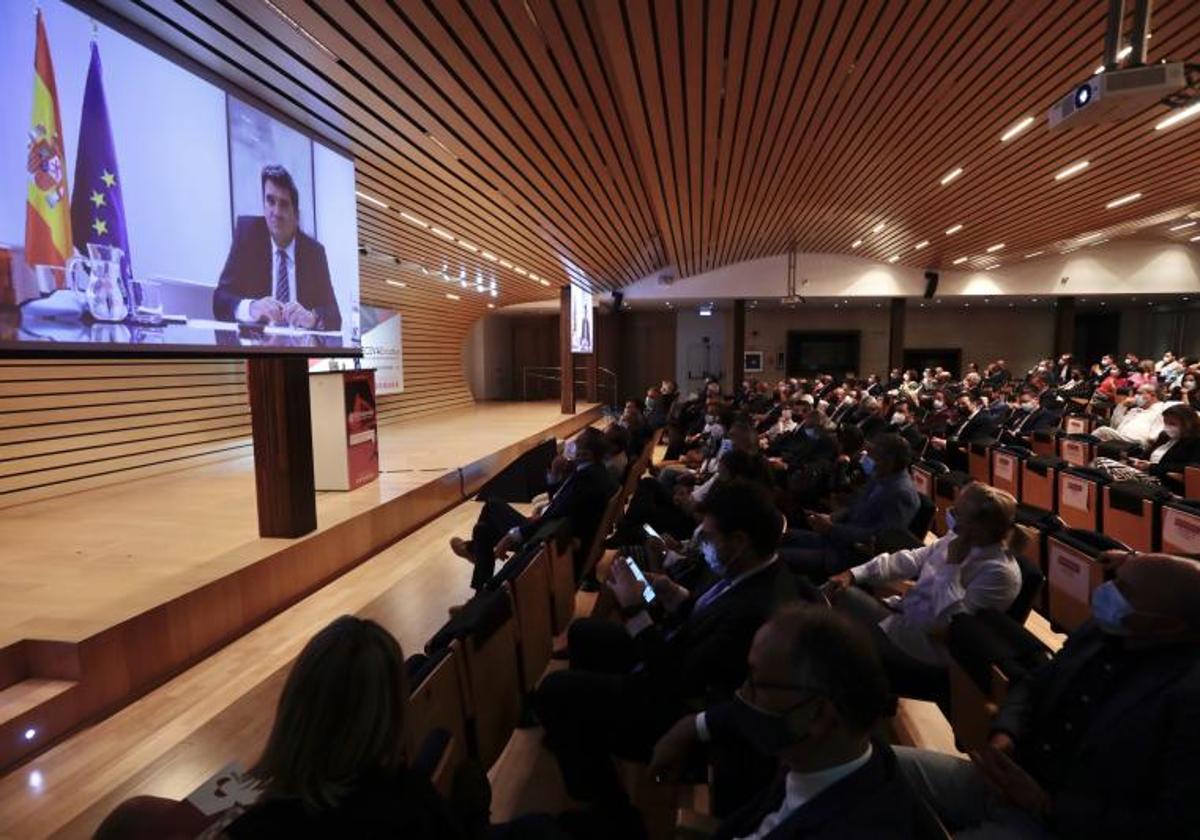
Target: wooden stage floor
<point x="77" y="564"/>
<point x="109" y="592"/>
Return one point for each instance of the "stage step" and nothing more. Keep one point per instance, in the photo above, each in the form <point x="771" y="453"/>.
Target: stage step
<point x="26" y="695"/>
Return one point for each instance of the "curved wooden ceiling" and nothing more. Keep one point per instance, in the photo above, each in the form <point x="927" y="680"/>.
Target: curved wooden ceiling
<point x="603" y="140"/>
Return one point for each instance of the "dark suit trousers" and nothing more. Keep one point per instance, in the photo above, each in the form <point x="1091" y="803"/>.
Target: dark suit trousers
<point x="599" y="709"/>
<point x="495" y="520"/>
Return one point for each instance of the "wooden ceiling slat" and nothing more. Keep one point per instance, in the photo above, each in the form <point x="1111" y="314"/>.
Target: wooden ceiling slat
<point x="609" y="139"/>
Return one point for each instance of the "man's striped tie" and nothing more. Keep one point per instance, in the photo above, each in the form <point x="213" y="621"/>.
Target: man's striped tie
<point x="282" y="291"/>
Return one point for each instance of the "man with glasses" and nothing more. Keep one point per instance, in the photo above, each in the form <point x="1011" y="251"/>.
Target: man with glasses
<point x="815" y="690"/>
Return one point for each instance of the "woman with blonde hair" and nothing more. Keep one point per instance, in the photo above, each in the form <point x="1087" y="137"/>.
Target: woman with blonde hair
<point x="973" y="567"/>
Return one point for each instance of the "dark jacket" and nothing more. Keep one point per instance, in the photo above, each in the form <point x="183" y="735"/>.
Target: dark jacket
<point x="249" y="273"/>
<point x="1133" y="772"/>
<point x="581" y="500"/>
<point x="401" y="805"/>
<point x="1185" y="451"/>
<point x="703" y="655"/>
<point x="882" y="504"/>
<point x="872" y="803"/>
<point x="1040" y="419"/>
<point x="980" y="428"/>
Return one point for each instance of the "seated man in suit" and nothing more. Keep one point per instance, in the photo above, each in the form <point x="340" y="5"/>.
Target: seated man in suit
<point x="888" y="501"/>
<point x="581" y="499"/>
<point x="1102" y="740"/>
<point x="275" y="273"/>
<point x="903" y="422"/>
<point x="815" y="692"/>
<point x="975" y="425"/>
<point x="1033" y="414"/>
<point x="628" y="684"/>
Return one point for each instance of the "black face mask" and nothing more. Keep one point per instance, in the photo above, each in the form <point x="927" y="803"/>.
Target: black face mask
<point x="767" y="732"/>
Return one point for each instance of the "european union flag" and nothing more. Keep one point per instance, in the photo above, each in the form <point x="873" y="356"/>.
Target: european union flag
<point x="97" y="211"/>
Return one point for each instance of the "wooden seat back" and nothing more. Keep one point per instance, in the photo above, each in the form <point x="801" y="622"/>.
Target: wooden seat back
<point x="1180" y="531"/>
<point x="971" y="709"/>
<point x="1006" y="472"/>
<point x="1077" y="424"/>
<point x="1077" y="453"/>
<point x="439" y="703"/>
<point x="1140" y="531"/>
<point x="1037" y="489"/>
<point x="1079" y="501"/>
<point x="1191" y="481"/>
<point x="494" y="696"/>
<point x="979" y="463"/>
<point x="1071" y="578"/>
<point x="562" y="583"/>
<point x="532" y="600"/>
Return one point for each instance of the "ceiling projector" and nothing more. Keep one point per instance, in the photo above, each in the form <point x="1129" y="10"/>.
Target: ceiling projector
<point x="1117" y="94"/>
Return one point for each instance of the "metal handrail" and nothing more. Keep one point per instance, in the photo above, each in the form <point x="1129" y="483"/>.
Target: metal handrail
<point x="554" y="374"/>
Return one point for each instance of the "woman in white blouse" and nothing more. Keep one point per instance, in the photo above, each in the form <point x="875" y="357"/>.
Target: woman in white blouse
<point x="971" y="568"/>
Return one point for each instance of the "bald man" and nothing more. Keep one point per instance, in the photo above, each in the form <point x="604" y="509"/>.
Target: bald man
<point x="1103" y="740"/>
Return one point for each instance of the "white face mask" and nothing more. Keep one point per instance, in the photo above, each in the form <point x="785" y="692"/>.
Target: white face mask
<point x="939" y="405"/>
<point x="899" y="418"/>
<point x="1173" y="432"/>
<point x="1140" y="400"/>
<point x="786" y="415"/>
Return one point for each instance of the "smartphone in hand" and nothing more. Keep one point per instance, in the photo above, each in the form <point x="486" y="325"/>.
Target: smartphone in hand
<point x="648" y="593"/>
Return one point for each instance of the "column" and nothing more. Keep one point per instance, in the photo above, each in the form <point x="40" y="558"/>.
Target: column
<point x="737" y="340"/>
<point x="1064" y="325"/>
<point x="283" y="456"/>
<point x="895" y="336"/>
<point x="566" y="358"/>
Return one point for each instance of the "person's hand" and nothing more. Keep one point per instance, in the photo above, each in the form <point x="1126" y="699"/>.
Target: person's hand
<point x="838" y="583"/>
<point x="268" y="309"/>
<point x="822" y="523"/>
<point x="1011" y="780"/>
<point x="298" y="317"/>
<point x="656" y="548"/>
<point x="624" y="585"/>
<point x="671" y="543"/>
<point x="502" y="549"/>
<point x="669" y="593"/>
<point x="937" y="443"/>
<point x="777" y="462"/>
<point x="671" y="753"/>
<point x="1139" y="464"/>
<point x="1003" y="742"/>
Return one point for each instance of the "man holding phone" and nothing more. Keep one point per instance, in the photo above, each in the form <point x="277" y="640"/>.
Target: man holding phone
<point x="628" y="684"/>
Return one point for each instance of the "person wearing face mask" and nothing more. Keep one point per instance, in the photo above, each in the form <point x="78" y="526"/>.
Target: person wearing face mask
<point x="1101" y="741"/>
<point x="785" y="425"/>
<point x="1175" y="448"/>
<point x="815" y="692"/>
<point x="887" y="501"/>
<point x="1141" y="423"/>
<point x="581" y="500"/>
<point x="973" y="425"/>
<point x="628" y="682"/>
<point x="971" y="568"/>
<point x="901" y="423"/>
<point x="1033" y="414"/>
<point x="939" y="415"/>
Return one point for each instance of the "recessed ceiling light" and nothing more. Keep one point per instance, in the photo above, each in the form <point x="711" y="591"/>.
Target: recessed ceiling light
<point x="1016" y="128"/>
<point x="543" y="281"/>
<point x="520" y="270"/>
<point x="1194" y="239"/>
<point x="445" y="234"/>
<point x="878" y="228"/>
<point x="450" y="296"/>
<point x="1125" y="51"/>
<point x="994" y="248"/>
<point x="1034" y="254"/>
<point x="474" y="249"/>
<point x="491" y="306"/>
<point x="953" y="229"/>
<point x="1183" y="226"/>
<point x="951" y="175"/>
<point x="1125" y="199"/>
<point x="409" y="217"/>
<point x="855" y="243"/>
<point x="396" y="283"/>
<point x="990" y="267"/>
<point x="505" y="264"/>
<point x="924" y="243"/>
<point x="961" y="260"/>
<point x="1089" y="236"/>
<point x="894" y="258"/>
<point x="1179" y="116"/>
<point x="488" y="255"/>
<point x="1099" y="241"/>
<point x="1073" y="169"/>
<point x="371" y="199"/>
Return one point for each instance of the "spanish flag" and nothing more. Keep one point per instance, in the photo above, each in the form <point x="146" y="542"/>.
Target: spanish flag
<point x="47" y="207"/>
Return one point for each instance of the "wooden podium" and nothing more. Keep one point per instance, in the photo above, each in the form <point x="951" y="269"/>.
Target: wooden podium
<point x="345" y="442"/>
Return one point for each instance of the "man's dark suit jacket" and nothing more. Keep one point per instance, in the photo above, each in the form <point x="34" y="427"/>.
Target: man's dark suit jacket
<point x="1038" y="420"/>
<point x="249" y="272"/>
<point x="980" y="428"/>
<point x="1135" y="772"/>
<point x="581" y="500"/>
<point x="703" y="656"/>
<point x="872" y="802"/>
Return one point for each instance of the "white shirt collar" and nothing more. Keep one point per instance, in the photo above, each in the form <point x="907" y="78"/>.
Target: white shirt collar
<point x="804" y="787"/>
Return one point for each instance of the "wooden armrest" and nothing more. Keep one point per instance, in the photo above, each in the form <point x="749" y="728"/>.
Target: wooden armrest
<point x="690" y="825"/>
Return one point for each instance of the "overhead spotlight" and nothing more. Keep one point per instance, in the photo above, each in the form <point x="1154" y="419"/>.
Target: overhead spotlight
<point x="924" y="243"/>
<point x="994" y="248"/>
<point x="1179" y="116"/>
<point x="855" y="243"/>
<point x="960" y="260"/>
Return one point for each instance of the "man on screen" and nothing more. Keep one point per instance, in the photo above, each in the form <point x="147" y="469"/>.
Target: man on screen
<point x="275" y="273"/>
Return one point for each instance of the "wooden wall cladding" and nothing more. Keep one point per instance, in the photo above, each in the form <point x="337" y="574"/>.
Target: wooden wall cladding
<point x="68" y="425"/>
